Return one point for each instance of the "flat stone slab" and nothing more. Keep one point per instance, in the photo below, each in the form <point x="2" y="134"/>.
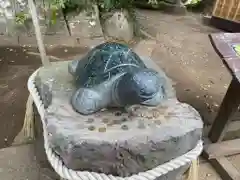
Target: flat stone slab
<point x="115" y="141"/>
<point x="19" y="162"/>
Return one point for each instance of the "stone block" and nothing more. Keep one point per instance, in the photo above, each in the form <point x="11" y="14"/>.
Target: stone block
<point x="116" y="141"/>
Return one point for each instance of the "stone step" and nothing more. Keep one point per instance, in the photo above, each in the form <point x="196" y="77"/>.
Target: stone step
<point x="19" y="163"/>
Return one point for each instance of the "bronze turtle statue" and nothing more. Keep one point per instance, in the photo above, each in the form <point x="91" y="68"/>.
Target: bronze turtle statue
<point x="112" y="75"/>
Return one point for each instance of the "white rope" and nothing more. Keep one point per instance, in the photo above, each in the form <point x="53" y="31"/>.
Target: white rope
<point x="70" y="174"/>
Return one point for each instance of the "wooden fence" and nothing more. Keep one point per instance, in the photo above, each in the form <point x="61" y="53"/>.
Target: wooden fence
<point x="227" y="9"/>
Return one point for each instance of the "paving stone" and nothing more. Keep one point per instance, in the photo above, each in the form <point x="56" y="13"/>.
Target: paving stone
<point x="206" y="172"/>
<point x="18" y="163"/>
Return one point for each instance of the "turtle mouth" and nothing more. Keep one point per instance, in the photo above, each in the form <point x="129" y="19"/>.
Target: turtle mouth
<point x="145" y="96"/>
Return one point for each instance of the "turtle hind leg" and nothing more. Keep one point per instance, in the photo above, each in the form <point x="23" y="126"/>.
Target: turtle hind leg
<point x="150" y="104"/>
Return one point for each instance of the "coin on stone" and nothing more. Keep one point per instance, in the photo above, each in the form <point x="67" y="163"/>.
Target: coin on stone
<point x="105" y="120"/>
<point x="155" y="113"/>
<point x="102" y="129"/>
<point x="91" y="128"/>
<point x="124" y="127"/>
<point x="118" y="113"/>
<point x="90" y="120"/>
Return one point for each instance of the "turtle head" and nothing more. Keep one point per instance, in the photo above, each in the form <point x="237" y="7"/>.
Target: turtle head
<point x="139" y="86"/>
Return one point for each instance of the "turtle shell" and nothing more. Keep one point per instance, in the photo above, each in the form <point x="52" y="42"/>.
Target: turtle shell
<point x="105" y="61"/>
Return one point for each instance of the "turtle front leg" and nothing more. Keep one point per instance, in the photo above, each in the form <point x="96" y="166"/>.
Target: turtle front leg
<point x="90" y="100"/>
<point x="86" y="101"/>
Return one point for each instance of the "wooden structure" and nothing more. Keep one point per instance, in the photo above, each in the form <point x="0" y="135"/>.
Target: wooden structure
<point x="226" y="15"/>
<point x="27" y="132"/>
<point x="227" y="45"/>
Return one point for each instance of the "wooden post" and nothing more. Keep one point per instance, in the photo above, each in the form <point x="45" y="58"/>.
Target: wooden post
<point x="228" y="107"/>
<point x="33" y="11"/>
<point x="27" y="132"/>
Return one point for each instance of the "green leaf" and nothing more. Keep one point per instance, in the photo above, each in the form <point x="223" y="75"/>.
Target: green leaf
<point x="108" y="4"/>
<point x="21" y="17"/>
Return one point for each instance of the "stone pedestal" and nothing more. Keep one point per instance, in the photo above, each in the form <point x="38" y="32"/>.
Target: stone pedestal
<point x="117" y="141"/>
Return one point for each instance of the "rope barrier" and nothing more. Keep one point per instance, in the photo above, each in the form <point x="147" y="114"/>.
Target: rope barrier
<point x="70" y="174"/>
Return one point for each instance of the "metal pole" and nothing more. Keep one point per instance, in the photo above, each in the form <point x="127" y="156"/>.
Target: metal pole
<point x="33" y="11"/>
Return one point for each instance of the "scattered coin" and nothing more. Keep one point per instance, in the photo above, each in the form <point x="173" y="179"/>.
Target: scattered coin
<point x="124" y="127"/>
<point x="90" y="120"/>
<point x="105" y="120"/>
<point x="118" y="113"/>
<point x="156" y="113"/>
<point x="91" y="128"/>
<point x="102" y="129"/>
